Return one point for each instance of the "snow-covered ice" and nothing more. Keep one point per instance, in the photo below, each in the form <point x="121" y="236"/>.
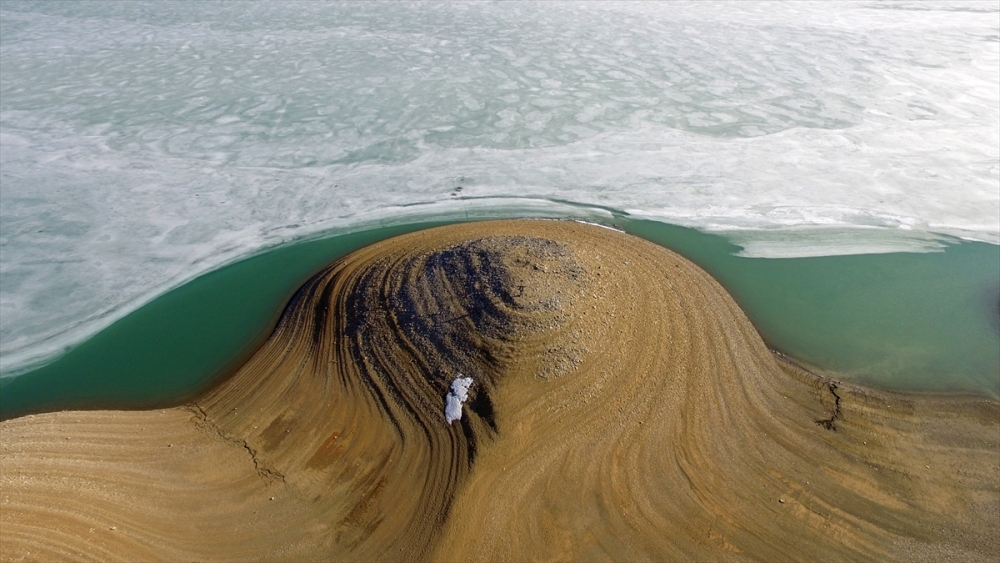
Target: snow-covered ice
<point x="456" y="398"/>
<point x="144" y="143"/>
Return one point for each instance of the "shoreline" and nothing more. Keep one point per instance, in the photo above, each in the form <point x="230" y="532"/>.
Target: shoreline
<point x="623" y="408"/>
<point x="820" y="375"/>
<point x="929" y="396"/>
<point x="968" y="349"/>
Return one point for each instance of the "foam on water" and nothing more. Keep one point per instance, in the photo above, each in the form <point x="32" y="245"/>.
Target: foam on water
<point x="142" y="144"/>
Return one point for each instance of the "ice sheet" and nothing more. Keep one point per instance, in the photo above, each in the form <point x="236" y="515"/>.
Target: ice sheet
<point x="144" y="143"/>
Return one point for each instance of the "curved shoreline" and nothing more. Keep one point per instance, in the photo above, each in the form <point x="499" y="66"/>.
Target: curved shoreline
<point x="624" y="408"/>
<point x="789" y="302"/>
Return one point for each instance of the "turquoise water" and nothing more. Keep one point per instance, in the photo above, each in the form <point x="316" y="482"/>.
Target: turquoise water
<point x="183" y="341"/>
<point x="906" y="321"/>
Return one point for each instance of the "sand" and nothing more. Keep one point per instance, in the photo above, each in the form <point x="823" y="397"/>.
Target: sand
<point x="622" y="408"/>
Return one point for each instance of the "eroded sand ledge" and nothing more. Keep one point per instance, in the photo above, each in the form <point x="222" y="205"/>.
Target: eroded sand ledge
<point x="623" y="409"/>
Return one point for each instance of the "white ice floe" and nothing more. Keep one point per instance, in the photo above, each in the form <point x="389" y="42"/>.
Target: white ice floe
<point x="454" y="400"/>
<point x="139" y="148"/>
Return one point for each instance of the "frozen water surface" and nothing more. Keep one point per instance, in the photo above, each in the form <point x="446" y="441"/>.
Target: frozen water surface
<point x="144" y="143"/>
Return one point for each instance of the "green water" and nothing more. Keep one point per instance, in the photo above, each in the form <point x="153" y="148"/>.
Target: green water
<point x="185" y="340"/>
<point x="903" y="321"/>
<point x="923" y="322"/>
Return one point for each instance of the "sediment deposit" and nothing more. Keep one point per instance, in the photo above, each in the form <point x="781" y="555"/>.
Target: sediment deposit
<point x="622" y="407"/>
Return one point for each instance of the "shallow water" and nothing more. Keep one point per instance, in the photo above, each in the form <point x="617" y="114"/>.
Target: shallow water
<point x="907" y="321"/>
<point x="184" y="340"/>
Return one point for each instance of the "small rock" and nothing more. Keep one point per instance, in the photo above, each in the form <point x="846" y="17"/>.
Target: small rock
<point x="781" y="500"/>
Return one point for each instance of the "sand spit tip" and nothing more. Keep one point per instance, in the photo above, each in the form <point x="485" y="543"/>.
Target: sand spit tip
<point x="458" y="395"/>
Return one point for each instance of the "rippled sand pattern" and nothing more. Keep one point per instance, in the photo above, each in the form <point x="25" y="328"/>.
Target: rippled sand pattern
<point x="623" y="408"/>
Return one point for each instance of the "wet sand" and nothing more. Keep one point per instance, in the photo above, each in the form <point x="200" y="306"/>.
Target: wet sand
<point x="623" y="408"/>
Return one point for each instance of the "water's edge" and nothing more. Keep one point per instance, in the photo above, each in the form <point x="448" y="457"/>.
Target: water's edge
<point x="901" y="321"/>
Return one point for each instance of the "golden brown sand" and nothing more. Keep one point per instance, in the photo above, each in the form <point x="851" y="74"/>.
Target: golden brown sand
<point x="623" y="409"/>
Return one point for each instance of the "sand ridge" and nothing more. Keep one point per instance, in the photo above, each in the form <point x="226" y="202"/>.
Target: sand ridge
<point x="623" y="408"/>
